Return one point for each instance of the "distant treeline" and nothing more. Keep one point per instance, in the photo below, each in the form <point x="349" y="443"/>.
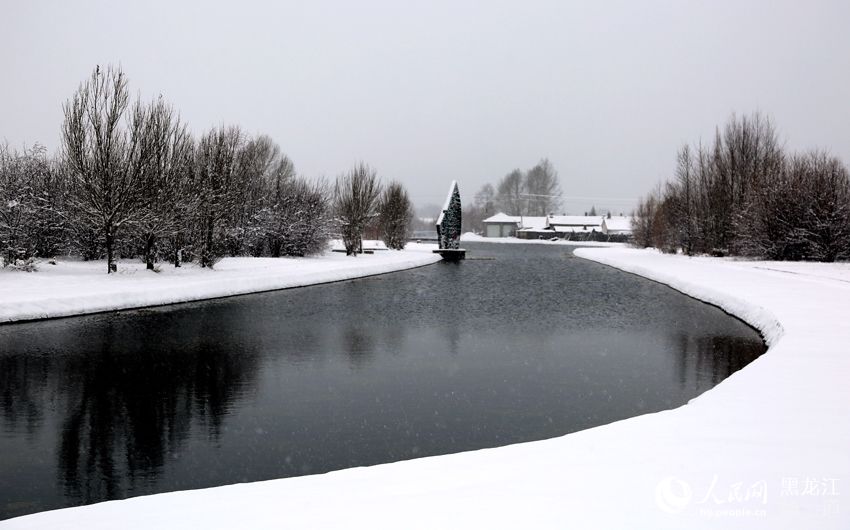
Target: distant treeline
<point x="745" y="195"/>
<point x="535" y="192"/>
<point x="130" y="180"/>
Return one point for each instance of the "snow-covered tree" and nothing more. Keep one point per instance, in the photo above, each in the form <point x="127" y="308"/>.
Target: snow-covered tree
<point x="450" y="221"/>
<point x="216" y="184"/>
<point x="245" y="233"/>
<point x="16" y="208"/>
<point x="396" y="214"/>
<point x="296" y="219"/>
<point x="106" y="151"/>
<point x="355" y="200"/>
<point x="163" y="185"/>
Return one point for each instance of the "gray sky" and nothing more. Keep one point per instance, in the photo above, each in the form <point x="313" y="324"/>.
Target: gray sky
<point x="427" y="92"/>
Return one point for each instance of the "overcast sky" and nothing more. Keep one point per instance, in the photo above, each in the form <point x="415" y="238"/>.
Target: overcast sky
<point x="427" y="92"/>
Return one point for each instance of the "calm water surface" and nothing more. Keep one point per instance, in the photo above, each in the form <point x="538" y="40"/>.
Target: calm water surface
<point x="532" y="344"/>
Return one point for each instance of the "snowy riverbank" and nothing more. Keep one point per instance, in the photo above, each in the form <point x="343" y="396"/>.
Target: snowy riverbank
<point x="75" y="287"/>
<point x="766" y="448"/>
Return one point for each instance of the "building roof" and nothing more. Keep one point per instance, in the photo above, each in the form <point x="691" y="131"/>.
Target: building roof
<point x="521" y="221"/>
<point x="501" y="218"/>
<point x="575" y="220"/>
<point x="618" y="223"/>
<point x="533" y="223"/>
<point x="574" y="229"/>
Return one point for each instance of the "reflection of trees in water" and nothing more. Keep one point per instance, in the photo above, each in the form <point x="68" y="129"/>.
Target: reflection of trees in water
<point x="130" y="394"/>
<point x="23" y="383"/>
<point x="358" y="343"/>
<point x="704" y="361"/>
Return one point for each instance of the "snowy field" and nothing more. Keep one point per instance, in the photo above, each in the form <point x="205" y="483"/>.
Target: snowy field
<point x="77" y="287"/>
<point x="767" y="448"/>
<point x="470" y="237"/>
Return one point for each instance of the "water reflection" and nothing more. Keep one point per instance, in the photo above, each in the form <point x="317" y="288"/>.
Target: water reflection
<point x="126" y="397"/>
<point x="705" y="361"/>
<point x="532" y="345"/>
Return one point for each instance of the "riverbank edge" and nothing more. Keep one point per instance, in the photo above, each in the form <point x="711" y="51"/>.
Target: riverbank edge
<point x="758" y="318"/>
<point x="777" y="418"/>
<point x="210" y="285"/>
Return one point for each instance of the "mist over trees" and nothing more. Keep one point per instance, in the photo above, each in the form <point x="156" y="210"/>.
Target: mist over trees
<point x="131" y="181"/>
<point x="745" y="195"/>
<point x="535" y="192"/>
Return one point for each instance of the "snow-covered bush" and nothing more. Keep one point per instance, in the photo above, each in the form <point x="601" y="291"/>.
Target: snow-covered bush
<point x="396" y="214"/>
<point x="355" y="200"/>
<point x="744" y="196"/>
<point x="24" y="265"/>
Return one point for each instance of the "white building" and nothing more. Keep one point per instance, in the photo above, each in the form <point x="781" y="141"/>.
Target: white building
<point x="617" y="225"/>
<point x="502" y="225"/>
<point x="561" y="226"/>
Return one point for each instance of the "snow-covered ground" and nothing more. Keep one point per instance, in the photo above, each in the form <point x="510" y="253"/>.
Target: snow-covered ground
<point x="470" y="237"/>
<point x="769" y="447"/>
<point x="76" y="287"/>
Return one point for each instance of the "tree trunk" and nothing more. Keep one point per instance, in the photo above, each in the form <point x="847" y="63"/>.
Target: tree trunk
<point x="110" y="254"/>
<point x="150" y="241"/>
<point x="206" y="256"/>
<point x="177" y="246"/>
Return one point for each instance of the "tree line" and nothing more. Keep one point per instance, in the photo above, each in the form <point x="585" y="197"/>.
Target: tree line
<point x="745" y="195"/>
<point x="534" y="192"/>
<point x="131" y="180"/>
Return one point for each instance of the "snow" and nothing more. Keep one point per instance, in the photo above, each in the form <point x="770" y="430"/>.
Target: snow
<point x="501" y="217"/>
<point x="522" y="221"/>
<point x="76" y="287"/>
<point x="575" y="220"/>
<point x="618" y="223"/>
<point x="766" y="448"/>
<point x="447" y="203"/>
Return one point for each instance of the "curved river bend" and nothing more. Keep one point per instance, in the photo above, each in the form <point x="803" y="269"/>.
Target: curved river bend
<point x="530" y="345"/>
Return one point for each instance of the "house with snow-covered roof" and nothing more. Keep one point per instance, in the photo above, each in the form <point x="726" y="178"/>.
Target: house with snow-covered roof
<point x="503" y="225"/>
<point x="583" y="227"/>
<point x="617" y="225"/>
<point x="563" y="226"/>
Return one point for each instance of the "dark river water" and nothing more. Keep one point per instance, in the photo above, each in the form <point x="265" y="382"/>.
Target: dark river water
<point x="532" y="344"/>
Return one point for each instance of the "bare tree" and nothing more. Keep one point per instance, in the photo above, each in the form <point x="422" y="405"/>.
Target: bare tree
<point x="800" y="212"/>
<point x="396" y="213"/>
<point x="297" y="218"/>
<point x="827" y="221"/>
<point x="744" y="196"/>
<point x="485" y="199"/>
<point x="355" y="199"/>
<point x="255" y="160"/>
<point x="164" y="190"/>
<point x="16" y="208"/>
<point x="49" y="185"/>
<point x="278" y="187"/>
<point x="744" y="155"/>
<point x="509" y="193"/>
<point x="683" y="201"/>
<point x="216" y="184"/>
<point x="542" y="189"/>
<point x="106" y="158"/>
